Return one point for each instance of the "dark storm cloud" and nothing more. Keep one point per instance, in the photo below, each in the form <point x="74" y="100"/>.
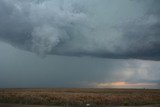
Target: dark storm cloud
<point x="21" y="69"/>
<point x="143" y="35"/>
<point x="107" y="29"/>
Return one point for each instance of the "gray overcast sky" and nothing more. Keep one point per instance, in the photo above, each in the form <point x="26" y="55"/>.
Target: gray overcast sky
<point x="85" y="43"/>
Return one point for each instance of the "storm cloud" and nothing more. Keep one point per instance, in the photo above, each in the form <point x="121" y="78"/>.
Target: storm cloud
<point x="22" y="69"/>
<point x="107" y="28"/>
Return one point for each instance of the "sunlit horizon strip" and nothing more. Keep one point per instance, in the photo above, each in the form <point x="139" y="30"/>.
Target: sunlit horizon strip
<point x="122" y="84"/>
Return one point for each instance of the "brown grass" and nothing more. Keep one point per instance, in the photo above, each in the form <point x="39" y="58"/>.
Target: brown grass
<point x="80" y="97"/>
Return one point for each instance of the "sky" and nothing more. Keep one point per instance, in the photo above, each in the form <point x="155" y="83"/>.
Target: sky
<point x="80" y="43"/>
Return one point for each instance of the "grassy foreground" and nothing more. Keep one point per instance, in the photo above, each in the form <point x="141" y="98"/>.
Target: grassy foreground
<point x="80" y="97"/>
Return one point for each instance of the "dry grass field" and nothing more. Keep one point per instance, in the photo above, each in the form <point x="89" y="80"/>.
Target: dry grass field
<point x="80" y="97"/>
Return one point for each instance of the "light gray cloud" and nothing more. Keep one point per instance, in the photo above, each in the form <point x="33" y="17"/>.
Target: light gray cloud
<point x="109" y="29"/>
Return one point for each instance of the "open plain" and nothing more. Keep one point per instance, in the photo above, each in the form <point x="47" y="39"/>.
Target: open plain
<point x="80" y="97"/>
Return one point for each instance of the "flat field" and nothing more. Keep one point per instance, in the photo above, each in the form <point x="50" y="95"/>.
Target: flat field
<point x="80" y="97"/>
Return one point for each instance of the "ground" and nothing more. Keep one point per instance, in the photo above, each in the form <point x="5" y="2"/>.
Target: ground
<point x="81" y="97"/>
